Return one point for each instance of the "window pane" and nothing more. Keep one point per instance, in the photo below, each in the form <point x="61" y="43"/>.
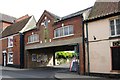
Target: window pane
<point x="29" y="39"/>
<point x="10" y="41"/>
<point x="71" y="29"/>
<point x="118" y="26"/>
<point x="65" y="30"/>
<point x="112" y="27"/>
<point x="56" y="32"/>
<point x="61" y="31"/>
<point x="35" y="37"/>
<point x="10" y="57"/>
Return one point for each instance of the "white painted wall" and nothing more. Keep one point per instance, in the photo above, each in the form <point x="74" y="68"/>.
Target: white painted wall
<point x="100" y="57"/>
<point x="100" y="29"/>
<point x="99" y="49"/>
<point x="30" y="25"/>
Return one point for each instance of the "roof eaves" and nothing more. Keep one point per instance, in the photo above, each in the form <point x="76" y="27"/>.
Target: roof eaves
<point x="100" y="16"/>
<point x="5" y="32"/>
<point x="74" y="14"/>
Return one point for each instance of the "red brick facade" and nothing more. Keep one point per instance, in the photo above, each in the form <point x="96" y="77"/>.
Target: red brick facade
<point x="77" y="24"/>
<point x="29" y="33"/>
<point x="15" y="49"/>
<point x="77" y="27"/>
<point x="3" y="25"/>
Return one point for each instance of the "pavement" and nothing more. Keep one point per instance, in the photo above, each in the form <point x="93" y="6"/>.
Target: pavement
<point x="72" y="75"/>
<point x="66" y="74"/>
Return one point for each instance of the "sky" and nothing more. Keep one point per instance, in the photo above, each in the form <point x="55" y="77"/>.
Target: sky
<point x="18" y="8"/>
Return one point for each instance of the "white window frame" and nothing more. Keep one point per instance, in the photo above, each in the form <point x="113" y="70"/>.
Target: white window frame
<point x="33" y="38"/>
<point x="63" y="28"/>
<point x="115" y="27"/>
<point x="10" y="42"/>
<point x="9" y="57"/>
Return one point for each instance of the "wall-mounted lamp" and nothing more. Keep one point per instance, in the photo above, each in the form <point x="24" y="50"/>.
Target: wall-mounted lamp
<point x="32" y="32"/>
<point x="94" y="37"/>
<point x="62" y="24"/>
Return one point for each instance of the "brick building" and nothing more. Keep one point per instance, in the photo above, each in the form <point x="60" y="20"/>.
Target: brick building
<point x="54" y="33"/>
<point x="5" y="21"/>
<point x="13" y="41"/>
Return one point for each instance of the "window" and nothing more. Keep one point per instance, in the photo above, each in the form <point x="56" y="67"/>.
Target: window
<point x="115" y="27"/>
<point x="33" y="38"/>
<point x="63" y="31"/>
<point x="71" y="30"/>
<point x="66" y="31"/>
<point x="10" y="58"/>
<point x="10" y="41"/>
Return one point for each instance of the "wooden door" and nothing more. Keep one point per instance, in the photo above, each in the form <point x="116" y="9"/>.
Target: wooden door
<point x="116" y="58"/>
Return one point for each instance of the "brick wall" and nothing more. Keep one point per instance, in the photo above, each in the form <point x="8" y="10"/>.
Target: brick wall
<point x="15" y="49"/>
<point x="76" y="22"/>
<point x="27" y="34"/>
<point x="50" y="28"/>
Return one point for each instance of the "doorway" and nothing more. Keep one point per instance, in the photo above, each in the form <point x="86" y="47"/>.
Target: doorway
<point x="4" y="59"/>
<point x="115" y="58"/>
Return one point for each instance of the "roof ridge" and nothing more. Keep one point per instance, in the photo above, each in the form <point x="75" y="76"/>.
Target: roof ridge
<point x="78" y="11"/>
<point x="7" y="15"/>
<point x="7" y="18"/>
<point x="54" y="15"/>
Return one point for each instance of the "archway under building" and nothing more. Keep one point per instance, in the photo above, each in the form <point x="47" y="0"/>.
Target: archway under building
<point x="44" y="57"/>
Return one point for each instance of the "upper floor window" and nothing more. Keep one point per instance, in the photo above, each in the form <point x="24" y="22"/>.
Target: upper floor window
<point x="115" y="27"/>
<point x="33" y="38"/>
<point x="10" y="41"/>
<point x="63" y="31"/>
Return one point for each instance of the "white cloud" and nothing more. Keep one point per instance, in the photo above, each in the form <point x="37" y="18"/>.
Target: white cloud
<point x="18" y="8"/>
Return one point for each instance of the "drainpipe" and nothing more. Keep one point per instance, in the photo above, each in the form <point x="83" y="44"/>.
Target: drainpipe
<point x="21" y="50"/>
<point x="83" y="42"/>
<point x="87" y="42"/>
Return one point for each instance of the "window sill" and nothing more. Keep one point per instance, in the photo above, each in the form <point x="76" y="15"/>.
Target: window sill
<point x="10" y="46"/>
<point x="32" y="42"/>
<point x="63" y="36"/>
<point x="10" y="63"/>
<point x="114" y="37"/>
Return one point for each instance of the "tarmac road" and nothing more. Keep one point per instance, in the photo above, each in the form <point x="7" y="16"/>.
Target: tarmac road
<point x="41" y="73"/>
